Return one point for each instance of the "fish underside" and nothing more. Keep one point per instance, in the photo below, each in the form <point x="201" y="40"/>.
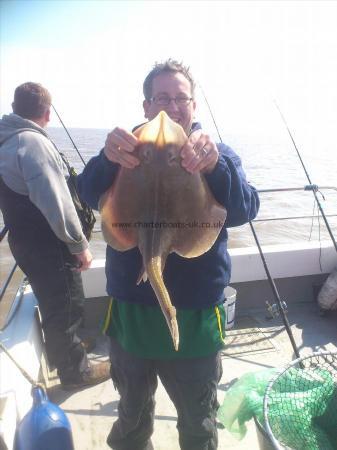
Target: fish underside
<point x="159" y="207"/>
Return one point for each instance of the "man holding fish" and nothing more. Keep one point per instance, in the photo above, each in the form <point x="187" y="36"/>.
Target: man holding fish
<point x="167" y="193"/>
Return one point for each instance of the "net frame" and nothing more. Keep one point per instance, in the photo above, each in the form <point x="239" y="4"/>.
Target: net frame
<point x="313" y="361"/>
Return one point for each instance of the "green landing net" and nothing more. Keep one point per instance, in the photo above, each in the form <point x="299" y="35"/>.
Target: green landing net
<point x="300" y="404"/>
<point x="297" y="406"/>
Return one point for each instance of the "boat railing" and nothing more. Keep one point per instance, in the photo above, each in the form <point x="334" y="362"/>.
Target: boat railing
<point x="306" y="188"/>
<point x="3" y="233"/>
<point x="4" y="321"/>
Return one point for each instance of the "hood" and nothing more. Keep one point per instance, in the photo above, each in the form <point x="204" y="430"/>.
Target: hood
<point x="12" y="123"/>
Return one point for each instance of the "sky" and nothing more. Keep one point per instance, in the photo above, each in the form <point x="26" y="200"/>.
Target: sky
<point x="94" y="55"/>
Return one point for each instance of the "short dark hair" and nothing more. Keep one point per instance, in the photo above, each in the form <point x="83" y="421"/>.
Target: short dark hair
<point x="31" y="100"/>
<point x="169" y="65"/>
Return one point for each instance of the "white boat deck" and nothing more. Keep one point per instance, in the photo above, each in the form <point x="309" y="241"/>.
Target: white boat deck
<point x="254" y="343"/>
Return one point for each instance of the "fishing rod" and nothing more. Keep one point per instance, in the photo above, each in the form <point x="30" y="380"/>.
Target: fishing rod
<point x="65" y="129"/>
<point x="3" y="232"/>
<point x="313" y="187"/>
<point x="280" y="303"/>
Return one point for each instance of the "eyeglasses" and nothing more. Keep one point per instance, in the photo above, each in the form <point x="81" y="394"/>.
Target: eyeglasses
<point x="165" y="100"/>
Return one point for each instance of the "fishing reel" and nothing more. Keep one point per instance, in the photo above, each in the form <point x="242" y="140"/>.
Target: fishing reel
<point x="274" y="309"/>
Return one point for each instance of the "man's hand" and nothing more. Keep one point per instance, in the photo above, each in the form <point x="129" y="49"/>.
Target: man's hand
<point x="118" y="146"/>
<point x="83" y="260"/>
<point x="199" y="154"/>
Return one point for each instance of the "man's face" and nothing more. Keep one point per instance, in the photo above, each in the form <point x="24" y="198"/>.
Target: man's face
<point x="172" y="85"/>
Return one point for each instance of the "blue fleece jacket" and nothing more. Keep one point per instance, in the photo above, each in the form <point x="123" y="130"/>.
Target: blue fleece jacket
<point x="194" y="283"/>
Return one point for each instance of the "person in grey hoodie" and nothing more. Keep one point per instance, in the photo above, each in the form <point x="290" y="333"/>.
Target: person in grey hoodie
<point x="44" y="232"/>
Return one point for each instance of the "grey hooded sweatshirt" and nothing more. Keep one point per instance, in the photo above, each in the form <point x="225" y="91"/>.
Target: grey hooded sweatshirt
<point x="30" y="165"/>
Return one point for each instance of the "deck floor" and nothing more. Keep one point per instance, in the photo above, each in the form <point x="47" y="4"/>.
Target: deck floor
<point x="255" y="343"/>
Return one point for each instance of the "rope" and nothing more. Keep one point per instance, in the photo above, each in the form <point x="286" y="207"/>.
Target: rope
<point x="23" y="372"/>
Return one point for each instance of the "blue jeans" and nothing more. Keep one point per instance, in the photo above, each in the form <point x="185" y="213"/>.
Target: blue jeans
<point x="190" y="383"/>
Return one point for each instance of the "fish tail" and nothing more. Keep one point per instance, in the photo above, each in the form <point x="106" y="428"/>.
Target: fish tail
<point x="154" y="272"/>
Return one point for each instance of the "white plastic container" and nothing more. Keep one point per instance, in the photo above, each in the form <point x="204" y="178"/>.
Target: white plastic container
<point x="327" y="296"/>
<point x="229" y="304"/>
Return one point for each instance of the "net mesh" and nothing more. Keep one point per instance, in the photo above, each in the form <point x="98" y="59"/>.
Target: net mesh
<point x="300" y="405"/>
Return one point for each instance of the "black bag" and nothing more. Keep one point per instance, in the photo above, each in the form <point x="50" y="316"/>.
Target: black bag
<point x="84" y="212"/>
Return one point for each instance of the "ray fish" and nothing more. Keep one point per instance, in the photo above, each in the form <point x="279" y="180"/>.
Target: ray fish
<point x="160" y="207"/>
